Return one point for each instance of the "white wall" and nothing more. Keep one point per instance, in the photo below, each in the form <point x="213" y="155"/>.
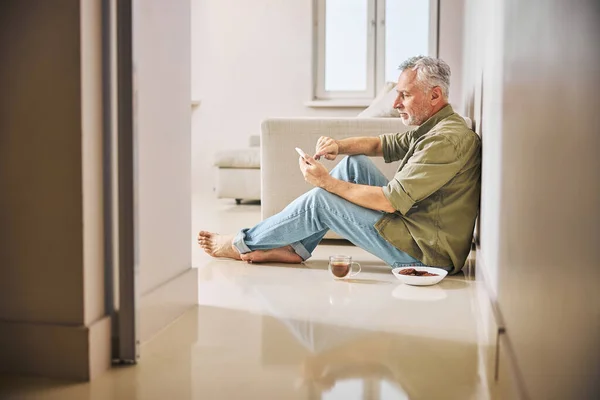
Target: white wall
<point x="451" y="16"/>
<point x="161" y="47"/>
<point x="162" y="86"/>
<point x="540" y="186"/>
<point x="250" y="60"/>
<point x="482" y="101"/>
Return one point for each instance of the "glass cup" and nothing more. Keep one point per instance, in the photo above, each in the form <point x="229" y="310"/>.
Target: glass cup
<point x="340" y="267"/>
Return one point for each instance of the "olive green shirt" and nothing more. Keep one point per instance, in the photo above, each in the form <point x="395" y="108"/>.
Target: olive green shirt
<point x="435" y="190"/>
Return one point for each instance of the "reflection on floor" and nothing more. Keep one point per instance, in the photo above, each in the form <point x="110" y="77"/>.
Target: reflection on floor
<point x="292" y="332"/>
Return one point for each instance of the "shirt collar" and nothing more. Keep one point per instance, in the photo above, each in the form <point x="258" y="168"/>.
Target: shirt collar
<point x="426" y="126"/>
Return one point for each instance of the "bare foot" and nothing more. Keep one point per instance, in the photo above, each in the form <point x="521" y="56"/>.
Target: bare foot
<point x="282" y="254"/>
<point x="216" y="245"/>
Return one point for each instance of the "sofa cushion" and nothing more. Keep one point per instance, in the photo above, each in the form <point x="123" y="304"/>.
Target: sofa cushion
<point x="242" y="158"/>
<point x="382" y="105"/>
<point x="238" y="183"/>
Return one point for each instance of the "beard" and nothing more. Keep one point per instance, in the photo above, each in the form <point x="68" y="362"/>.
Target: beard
<point x="419" y="115"/>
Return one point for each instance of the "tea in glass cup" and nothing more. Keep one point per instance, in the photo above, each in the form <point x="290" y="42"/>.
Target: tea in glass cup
<point x="341" y="267"/>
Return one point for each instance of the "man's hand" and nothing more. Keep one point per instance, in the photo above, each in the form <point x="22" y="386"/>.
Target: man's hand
<point x="327" y="147"/>
<point x="314" y="172"/>
<point x="317" y="175"/>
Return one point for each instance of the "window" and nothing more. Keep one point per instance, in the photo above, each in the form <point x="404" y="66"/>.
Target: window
<point x="360" y="43"/>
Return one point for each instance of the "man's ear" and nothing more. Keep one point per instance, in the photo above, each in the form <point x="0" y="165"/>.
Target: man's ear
<point x="436" y="95"/>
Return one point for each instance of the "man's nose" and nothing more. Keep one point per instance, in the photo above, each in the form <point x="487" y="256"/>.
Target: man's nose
<point x="398" y="103"/>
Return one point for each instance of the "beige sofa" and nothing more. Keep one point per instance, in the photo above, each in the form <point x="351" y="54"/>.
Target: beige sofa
<point x="238" y="172"/>
<point x="281" y="179"/>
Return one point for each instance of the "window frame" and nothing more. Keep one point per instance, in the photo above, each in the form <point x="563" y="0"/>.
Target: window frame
<point x="375" y="52"/>
<point x="320" y="92"/>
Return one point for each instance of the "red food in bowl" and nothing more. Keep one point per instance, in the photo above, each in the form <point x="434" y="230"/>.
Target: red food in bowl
<point x="414" y="272"/>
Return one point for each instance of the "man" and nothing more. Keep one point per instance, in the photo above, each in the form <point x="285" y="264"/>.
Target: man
<point x="424" y="216"/>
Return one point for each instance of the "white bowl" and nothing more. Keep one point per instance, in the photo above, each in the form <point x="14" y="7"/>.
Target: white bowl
<point x="420" y="280"/>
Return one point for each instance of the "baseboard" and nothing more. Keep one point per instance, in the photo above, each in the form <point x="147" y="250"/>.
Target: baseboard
<point x="495" y="355"/>
<point x="165" y="303"/>
<point x="100" y="343"/>
<point x="488" y="330"/>
<point x="55" y="351"/>
<point x="509" y="383"/>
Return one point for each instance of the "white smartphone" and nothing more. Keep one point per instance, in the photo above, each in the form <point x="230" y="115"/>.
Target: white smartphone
<point x="302" y="154"/>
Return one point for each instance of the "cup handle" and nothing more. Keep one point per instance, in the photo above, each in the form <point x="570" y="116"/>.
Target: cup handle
<point x="354" y="273"/>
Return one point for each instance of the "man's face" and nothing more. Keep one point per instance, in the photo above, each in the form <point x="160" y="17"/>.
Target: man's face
<point x="413" y="101"/>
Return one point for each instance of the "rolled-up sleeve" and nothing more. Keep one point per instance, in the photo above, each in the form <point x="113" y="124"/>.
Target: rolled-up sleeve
<point x="395" y="145"/>
<point x="435" y="161"/>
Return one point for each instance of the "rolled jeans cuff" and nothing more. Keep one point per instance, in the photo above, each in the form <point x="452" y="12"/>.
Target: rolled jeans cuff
<point x="242" y="247"/>
<point x="301" y="250"/>
<point x="238" y="242"/>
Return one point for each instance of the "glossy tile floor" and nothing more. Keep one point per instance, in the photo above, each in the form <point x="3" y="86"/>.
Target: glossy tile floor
<point x="291" y="332"/>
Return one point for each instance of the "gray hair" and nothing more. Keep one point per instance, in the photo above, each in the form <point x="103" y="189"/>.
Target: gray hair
<point x="430" y="72"/>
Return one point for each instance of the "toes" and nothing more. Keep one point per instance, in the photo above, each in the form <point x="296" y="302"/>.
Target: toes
<point x="204" y="235"/>
<point x="248" y="257"/>
<point x="204" y="242"/>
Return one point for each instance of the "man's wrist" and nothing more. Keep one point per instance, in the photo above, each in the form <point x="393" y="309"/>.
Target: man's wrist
<point x="328" y="184"/>
<point x="339" y="146"/>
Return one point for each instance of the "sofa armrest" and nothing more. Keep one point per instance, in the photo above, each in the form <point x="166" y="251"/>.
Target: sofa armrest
<point x="281" y="179"/>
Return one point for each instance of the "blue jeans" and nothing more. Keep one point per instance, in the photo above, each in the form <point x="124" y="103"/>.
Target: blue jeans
<point x="304" y="222"/>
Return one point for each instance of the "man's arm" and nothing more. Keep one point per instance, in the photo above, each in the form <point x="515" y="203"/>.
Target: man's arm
<point x="330" y="148"/>
<point x="363" y="195"/>
<point x="369" y="146"/>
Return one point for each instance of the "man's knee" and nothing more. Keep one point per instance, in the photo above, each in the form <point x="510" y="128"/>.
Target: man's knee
<point x="356" y="159"/>
<point x="318" y="193"/>
<point x="348" y="164"/>
<point x="351" y="166"/>
<point x="357" y="163"/>
<point x="318" y="197"/>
